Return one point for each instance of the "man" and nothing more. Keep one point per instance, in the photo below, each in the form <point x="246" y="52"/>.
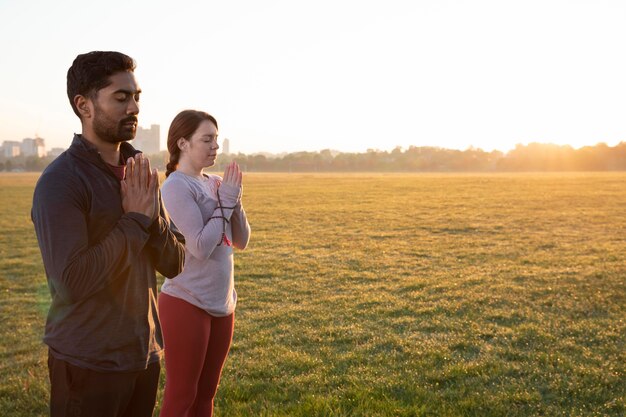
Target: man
<point x="102" y="234"/>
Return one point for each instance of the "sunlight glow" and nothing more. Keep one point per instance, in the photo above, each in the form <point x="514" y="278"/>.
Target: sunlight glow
<point x="285" y="76"/>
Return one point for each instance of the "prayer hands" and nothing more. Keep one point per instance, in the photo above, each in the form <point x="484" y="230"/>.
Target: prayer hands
<point x="232" y="175"/>
<point x="140" y="188"/>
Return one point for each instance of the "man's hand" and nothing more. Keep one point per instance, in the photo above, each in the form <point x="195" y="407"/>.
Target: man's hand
<point x="140" y="187"/>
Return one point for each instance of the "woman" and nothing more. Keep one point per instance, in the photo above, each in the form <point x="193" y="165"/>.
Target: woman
<point x="197" y="307"/>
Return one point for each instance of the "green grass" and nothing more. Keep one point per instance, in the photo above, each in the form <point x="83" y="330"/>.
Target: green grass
<point x="23" y="303"/>
<point x="392" y="295"/>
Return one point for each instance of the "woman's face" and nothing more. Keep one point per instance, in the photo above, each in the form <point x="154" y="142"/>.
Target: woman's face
<point x="201" y="148"/>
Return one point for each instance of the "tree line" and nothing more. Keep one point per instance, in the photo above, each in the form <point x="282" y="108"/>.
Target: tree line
<point x="531" y="157"/>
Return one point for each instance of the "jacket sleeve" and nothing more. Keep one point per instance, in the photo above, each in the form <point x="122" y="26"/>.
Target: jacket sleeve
<point x="240" y="227"/>
<point x="200" y="238"/>
<point x="77" y="269"/>
<point x="166" y="245"/>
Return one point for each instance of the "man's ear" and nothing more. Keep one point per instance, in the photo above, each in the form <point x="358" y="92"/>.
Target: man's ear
<point x="82" y="105"/>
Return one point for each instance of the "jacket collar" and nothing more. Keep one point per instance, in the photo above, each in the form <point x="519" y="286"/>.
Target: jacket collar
<point x="85" y="149"/>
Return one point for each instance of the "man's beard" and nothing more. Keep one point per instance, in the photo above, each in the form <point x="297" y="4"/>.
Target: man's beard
<point x="111" y="131"/>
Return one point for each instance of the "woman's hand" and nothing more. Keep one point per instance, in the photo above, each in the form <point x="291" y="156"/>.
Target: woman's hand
<point x="232" y="175"/>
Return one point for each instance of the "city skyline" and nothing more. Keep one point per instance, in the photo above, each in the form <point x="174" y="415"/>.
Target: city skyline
<point x="349" y="76"/>
<point x="9" y="149"/>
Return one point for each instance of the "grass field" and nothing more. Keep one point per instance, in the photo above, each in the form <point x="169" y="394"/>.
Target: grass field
<point x="391" y="295"/>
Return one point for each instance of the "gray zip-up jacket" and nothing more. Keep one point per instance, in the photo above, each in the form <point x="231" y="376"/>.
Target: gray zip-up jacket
<point x="100" y="264"/>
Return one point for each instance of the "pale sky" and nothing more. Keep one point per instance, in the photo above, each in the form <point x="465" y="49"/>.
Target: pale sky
<point x="285" y="76"/>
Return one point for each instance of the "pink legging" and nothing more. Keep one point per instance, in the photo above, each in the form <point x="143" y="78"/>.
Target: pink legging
<point x="196" y="346"/>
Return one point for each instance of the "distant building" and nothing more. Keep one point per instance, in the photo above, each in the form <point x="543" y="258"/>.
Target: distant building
<point x="33" y="147"/>
<point x="226" y="146"/>
<point x="54" y="152"/>
<point x="11" y="148"/>
<point x="148" y="140"/>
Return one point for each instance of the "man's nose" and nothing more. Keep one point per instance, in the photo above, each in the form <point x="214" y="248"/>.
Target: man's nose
<point x="133" y="106"/>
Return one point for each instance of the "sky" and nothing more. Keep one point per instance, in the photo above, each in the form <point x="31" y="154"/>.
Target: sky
<point x="347" y="75"/>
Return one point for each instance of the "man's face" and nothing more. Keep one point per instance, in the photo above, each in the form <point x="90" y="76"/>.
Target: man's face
<point x="115" y="109"/>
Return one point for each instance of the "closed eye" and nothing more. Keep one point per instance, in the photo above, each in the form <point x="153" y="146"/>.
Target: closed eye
<point x="123" y="96"/>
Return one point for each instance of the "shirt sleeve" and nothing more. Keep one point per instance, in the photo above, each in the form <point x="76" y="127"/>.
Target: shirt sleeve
<point x="76" y="268"/>
<point x="240" y="227"/>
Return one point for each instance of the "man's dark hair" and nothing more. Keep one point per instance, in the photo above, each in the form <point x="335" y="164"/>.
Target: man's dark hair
<point x="90" y="72"/>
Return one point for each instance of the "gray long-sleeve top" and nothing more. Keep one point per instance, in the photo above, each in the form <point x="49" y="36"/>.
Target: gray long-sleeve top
<point x="207" y="280"/>
<point x="100" y="264"/>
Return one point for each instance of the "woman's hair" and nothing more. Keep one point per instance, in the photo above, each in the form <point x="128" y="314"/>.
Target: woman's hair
<point x="184" y="125"/>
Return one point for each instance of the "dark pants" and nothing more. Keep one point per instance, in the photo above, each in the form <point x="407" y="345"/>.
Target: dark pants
<point x="82" y="392"/>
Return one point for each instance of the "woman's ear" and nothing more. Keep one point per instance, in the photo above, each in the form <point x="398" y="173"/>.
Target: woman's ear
<point x="182" y="144"/>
